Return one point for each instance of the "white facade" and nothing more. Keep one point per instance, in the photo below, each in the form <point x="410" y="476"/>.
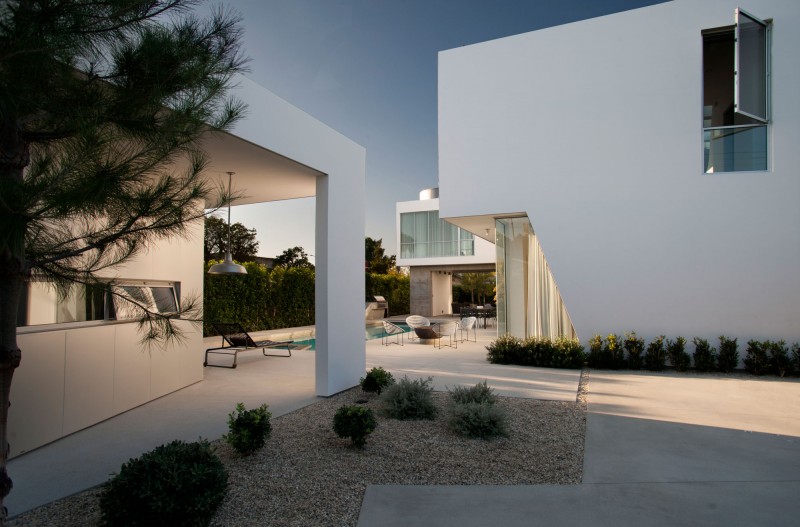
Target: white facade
<point x="594" y="131"/>
<point x="78" y="374"/>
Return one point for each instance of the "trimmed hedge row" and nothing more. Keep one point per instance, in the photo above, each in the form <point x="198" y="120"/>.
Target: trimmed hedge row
<point x="762" y="357"/>
<point x="614" y="352"/>
<point x="262" y="299"/>
<point x="562" y="352"/>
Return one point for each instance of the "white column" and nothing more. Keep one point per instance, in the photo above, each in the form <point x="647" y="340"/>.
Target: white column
<point x="341" y="348"/>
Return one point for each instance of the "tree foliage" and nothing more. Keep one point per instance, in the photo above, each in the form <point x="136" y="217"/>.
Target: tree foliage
<point x="294" y="257"/>
<point x="244" y="245"/>
<point x="375" y="259"/>
<point x="477" y="284"/>
<point x="103" y="104"/>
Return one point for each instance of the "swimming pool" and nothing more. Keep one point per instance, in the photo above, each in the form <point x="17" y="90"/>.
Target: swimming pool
<point x="371" y="333"/>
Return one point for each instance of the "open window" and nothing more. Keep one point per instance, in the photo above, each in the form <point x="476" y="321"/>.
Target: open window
<point x="736" y="72"/>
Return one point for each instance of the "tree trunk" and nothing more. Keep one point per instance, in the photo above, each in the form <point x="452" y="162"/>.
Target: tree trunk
<point x="14" y="157"/>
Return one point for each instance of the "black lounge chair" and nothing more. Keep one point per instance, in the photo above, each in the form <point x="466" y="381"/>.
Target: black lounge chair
<point x="236" y="339"/>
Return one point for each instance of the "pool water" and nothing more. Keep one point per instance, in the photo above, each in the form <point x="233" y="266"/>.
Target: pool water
<point x="371" y="333"/>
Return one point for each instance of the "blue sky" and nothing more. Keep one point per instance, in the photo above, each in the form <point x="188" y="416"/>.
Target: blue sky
<point x="368" y="68"/>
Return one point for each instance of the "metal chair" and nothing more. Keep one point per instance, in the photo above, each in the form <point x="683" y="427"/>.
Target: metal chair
<point x="392" y="330"/>
<point x="416" y="321"/>
<point x="467" y="324"/>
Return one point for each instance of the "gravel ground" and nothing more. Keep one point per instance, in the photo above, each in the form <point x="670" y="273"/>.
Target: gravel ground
<point x="307" y="476"/>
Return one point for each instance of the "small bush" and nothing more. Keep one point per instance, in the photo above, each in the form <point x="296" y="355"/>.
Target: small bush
<point x="567" y="353"/>
<point x="480" y="393"/>
<point x="780" y="363"/>
<point x="655" y="357"/>
<point x="728" y="358"/>
<point x="705" y="357"/>
<point x="598" y="356"/>
<point x="614" y="352"/>
<point x="175" y="484"/>
<point x="481" y="420"/>
<point x="756" y="361"/>
<point x="676" y="351"/>
<point x="248" y="428"/>
<point x="634" y="346"/>
<point x="505" y="350"/>
<point x="796" y="355"/>
<point x="409" y="399"/>
<point x="355" y="422"/>
<point x="376" y="380"/>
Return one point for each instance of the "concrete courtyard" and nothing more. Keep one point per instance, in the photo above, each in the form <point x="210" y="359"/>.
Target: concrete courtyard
<point x="661" y="449"/>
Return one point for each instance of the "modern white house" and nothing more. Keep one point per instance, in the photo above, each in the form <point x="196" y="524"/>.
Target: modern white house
<point x="81" y="365"/>
<point x="653" y="155"/>
<point x="433" y="250"/>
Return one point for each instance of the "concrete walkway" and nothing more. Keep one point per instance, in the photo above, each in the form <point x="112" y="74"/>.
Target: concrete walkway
<point x="661" y="450"/>
<point x="87" y="458"/>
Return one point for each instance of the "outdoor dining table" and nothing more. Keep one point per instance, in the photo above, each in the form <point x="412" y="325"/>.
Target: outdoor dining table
<point x="481" y="313"/>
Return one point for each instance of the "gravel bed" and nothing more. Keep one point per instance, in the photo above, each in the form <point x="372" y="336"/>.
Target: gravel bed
<point x="307" y="476"/>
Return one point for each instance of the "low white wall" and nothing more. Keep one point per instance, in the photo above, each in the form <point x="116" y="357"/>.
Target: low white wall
<point x="72" y="378"/>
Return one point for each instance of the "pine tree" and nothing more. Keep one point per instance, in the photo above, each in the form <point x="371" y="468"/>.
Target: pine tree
<point x="101" y="101"/>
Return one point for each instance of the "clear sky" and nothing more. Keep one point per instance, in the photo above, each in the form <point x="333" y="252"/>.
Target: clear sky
<point x="368" y="68"/>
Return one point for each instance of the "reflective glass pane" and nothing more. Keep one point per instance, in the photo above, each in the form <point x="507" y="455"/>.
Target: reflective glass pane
<point x="735" y="149"/>
<point x="407" y="228"/>
<point x="751" y="66"/>
<point x="164" y="298"/>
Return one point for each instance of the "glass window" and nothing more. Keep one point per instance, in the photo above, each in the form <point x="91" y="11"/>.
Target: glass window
<point x="751" y="66"/>
<point x="735" y="96"/>
<point x="425" y="235"/>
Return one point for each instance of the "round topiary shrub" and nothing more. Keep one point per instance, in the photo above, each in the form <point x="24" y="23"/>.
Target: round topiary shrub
<point x="175" y="484"/>
<point x="355" y="422"/>
<point x="376" y="380"/>
<point x="248" y="428"/>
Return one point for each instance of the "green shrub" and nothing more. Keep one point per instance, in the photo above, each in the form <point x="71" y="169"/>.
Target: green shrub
<point x="376" y="380"/>
<point x="676" y="351"/>
<point x="780" y="363"/>
<point x="705" y="357"/>
<point x="481" y="420"/>
<point x="598" y="356"/>
<point x="567" y="353"/>
<point x="480" y="393"/>
<point x="655" y="358"/>
<point x="409" y="399"/>
<point x="176" y="484"/>
<point x="355" y="422"/>
<point x="796" y="355"/>
<point x="634" y="346"/>
<point x="614" y="352"/>
<point x="248" y="428"/>
<point x="728" y="358"/>
<point x="756" y="361"/>
<point x="505" y="350"/>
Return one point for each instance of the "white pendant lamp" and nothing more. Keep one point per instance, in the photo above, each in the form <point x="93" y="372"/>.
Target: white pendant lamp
<point x="227" y="266"/>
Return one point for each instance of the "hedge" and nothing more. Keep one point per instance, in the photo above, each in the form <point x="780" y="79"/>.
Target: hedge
<point x="395" y="288"/>
<point x="262" y="299"/>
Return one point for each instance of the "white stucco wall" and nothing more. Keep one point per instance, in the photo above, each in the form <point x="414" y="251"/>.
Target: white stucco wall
<point x="485" y="252"/>
<point x="594" y="130"/>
